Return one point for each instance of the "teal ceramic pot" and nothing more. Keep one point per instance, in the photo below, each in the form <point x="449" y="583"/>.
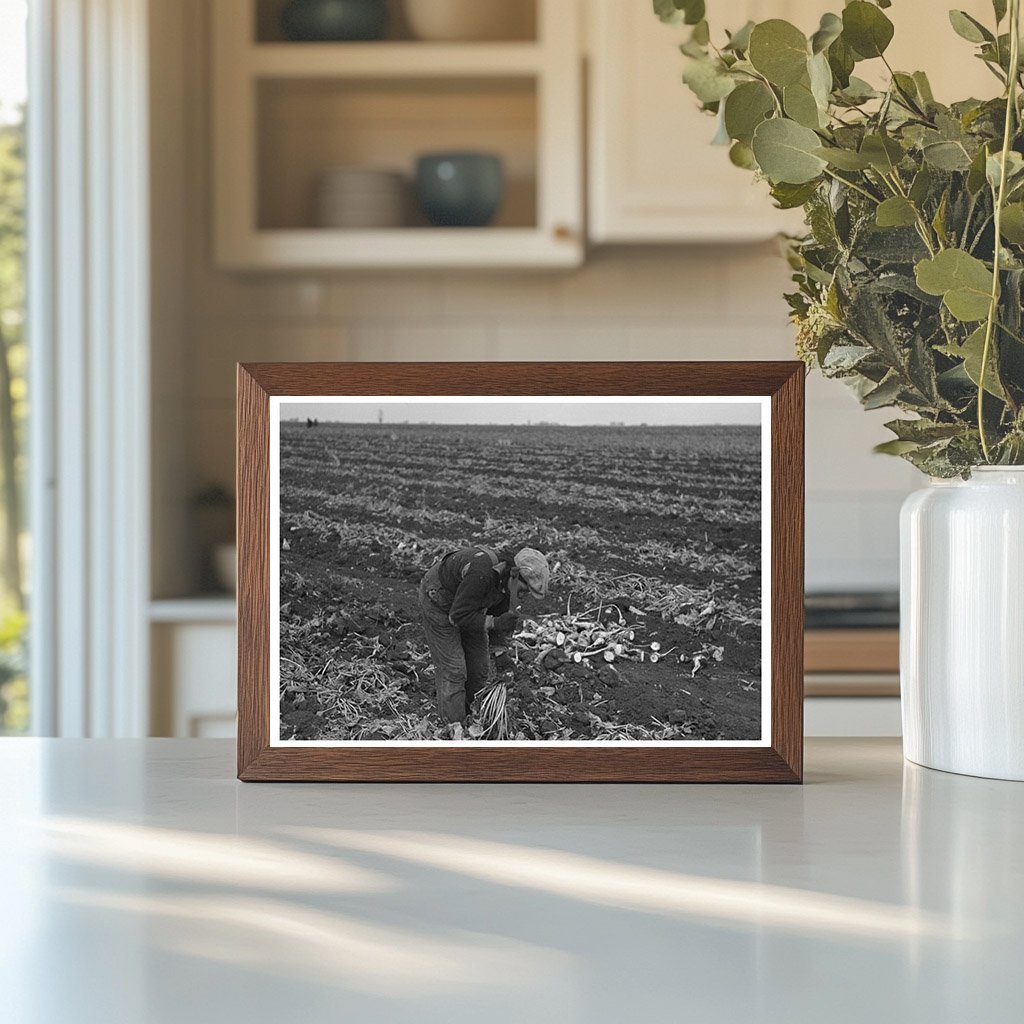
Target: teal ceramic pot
<point x="332" y="21"/>
<point x="461" y="190"/>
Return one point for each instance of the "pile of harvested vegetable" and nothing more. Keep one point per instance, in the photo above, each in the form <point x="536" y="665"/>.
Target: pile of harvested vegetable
<point x="651" y="629"/>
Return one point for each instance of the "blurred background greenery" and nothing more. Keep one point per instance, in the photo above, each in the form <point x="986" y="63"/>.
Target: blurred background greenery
<point x="14" y="705"/>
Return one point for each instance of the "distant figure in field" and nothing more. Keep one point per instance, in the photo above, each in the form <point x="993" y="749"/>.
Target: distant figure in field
<point x="468" y="598"/>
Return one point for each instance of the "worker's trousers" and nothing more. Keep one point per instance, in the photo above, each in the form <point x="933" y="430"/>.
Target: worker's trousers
<point x="461" y="660"/>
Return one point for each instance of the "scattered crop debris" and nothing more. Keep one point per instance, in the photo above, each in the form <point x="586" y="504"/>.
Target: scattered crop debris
<point x="651" y="629"/>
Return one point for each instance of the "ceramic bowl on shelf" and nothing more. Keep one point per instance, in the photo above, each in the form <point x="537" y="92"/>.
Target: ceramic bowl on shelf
<point x="470" y="20"/>
<point x="332" y="21"/>
<point x="361" y="198"/>
<point x="460" y="189"/>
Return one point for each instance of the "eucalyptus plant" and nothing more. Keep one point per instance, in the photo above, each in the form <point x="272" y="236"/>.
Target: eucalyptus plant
<point x="910" y="278"/>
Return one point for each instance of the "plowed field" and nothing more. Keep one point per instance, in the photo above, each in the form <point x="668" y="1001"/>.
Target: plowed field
<point x="651" y="629"/>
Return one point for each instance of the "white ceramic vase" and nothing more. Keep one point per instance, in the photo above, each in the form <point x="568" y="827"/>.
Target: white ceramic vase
<point x="962" y="624"/>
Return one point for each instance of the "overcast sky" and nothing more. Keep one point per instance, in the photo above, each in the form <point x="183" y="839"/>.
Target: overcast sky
<point x="568" y="411"/>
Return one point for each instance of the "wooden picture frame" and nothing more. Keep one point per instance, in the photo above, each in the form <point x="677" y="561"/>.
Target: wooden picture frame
<point x="778" y="759"/>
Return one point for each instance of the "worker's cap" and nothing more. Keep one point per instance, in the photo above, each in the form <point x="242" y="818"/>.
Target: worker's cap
<point x="533" y="570"/>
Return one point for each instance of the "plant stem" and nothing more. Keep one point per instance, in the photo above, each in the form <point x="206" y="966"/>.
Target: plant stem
<point x="1012" y="334"/>
<point x="771" y="89"/>
<point x="922" y="225"/>
<point x="855" y="187"/>
<point x="993" y="309"/>
<point x="981" y="231"/>
<point x="969" y="218"/>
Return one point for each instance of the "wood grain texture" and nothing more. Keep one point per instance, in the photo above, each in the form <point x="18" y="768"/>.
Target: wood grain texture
<point x="649" y="378"/>
<point x="252" y="486"/>
<point x="597" y="762"/>
<point x="787" y="569"/>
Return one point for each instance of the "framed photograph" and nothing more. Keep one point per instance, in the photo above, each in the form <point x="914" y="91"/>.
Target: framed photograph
<point x="513" y="572"/>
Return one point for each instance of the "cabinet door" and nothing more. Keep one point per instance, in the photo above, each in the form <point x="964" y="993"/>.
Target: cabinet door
<point x="286" y="113"/>
<point x="654" y="177"/>
<point x="925" y="41"/>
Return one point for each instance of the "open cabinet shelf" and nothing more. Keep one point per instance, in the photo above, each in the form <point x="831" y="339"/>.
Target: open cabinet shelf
<point x="394" y="60"/>
<point x="287" y="114"/>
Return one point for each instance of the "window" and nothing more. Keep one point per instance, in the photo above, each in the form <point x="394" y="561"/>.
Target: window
<point x="14" y="702"/>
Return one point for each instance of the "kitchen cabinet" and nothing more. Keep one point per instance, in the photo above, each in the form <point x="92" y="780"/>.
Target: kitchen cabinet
<point x="287" y="113"/>
<point x="852" y="682"/>
<point x="653" y="175"/>
<point x="192" y="645"/>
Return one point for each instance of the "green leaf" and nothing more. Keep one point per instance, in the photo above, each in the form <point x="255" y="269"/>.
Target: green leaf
<point x="921" y="185"/>
<point x="694" y="10"/>
<point x="830" y="29"/>
<point x="741" y="155"/>
<point x="858" y="91"/>
<point x="785" y="152"/>
<point x="923" y="431"/>
<point x="896" y="447"/>
<point x="997" y="53"/>
<point x="976" y="174"/>
<point x="969" y="28"/>
<point x="939" y="220"/>
<point x="739" y="41"/>
<point x="668" y="11"/>
<point x="921" y="369"/>
<point x="971" y="352"/>
<point x="821" y="220"/>
<point x="820" y="75"/>
<point x="675" y="12"/>
<point x="896" y="212"/>
<point x="1012" y="226"/>
<point x="924" y="87"/>
<point x="999" y="7"/>
<point x="789" y="197"/>
<point x="841" y="60"/>
<point x="778" y="50"/>
<point x="1014" y="169"/>
<point x="745" y="108"/>
<point x="800" y="105"/>
<point x="708" y="80"/>
<point x="866" y="29"/>
<point x="884" y="395"/>
<point x="946" y="156"/>
<point x="963" y="281"/>
<point x="906" y="90"/>
<point x="844" y="159"/>
<point x="883" y="153"/>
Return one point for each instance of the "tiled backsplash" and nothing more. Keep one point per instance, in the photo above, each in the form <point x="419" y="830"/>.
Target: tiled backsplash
<point x="702" y="303"/>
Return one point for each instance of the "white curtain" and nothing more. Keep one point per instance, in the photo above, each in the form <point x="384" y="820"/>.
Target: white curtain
<point x="88" y="317"/>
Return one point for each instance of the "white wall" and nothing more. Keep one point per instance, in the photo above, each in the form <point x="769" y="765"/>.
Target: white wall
<point x="701" y="303"/>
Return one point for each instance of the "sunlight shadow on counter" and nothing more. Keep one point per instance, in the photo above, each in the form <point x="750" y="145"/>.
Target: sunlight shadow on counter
<point x="646" y="890"/>
<point x="326" y="948"/>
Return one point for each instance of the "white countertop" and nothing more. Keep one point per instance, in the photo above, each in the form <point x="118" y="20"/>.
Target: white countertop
<point x="143" y="885"/>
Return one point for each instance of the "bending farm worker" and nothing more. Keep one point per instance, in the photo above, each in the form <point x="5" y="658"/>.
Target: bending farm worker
<point x="468" y="599"/>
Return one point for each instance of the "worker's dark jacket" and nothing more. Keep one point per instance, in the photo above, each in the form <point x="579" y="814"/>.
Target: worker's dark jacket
<point x="468" y="585"/>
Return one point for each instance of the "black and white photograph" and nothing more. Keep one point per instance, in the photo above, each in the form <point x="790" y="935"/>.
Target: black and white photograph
<point x="486" y="570"/>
